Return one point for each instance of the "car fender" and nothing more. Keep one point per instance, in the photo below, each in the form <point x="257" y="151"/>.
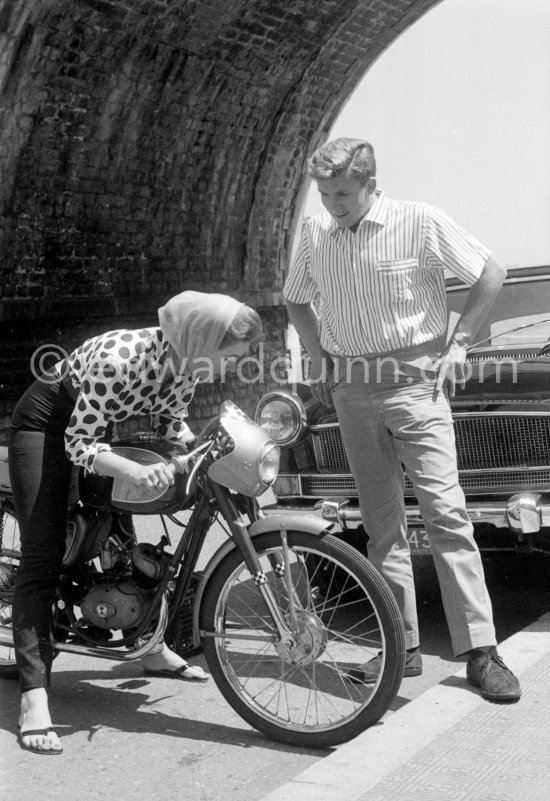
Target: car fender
<point x="273" y="522"/>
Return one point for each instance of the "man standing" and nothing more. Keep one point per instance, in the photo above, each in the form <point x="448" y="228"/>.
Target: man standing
<point x="379" y="353"/>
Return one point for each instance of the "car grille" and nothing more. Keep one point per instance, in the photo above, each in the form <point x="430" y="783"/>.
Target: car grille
<point x="495" y="452"/>
<point x="321" y="486"/>
<point x="490" y="441"/>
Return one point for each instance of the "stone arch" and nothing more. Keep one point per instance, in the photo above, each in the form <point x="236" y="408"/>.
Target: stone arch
<point x="156" y="145"/>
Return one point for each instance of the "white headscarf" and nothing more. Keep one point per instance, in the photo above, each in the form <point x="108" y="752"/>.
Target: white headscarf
<point x="195" y="323"/>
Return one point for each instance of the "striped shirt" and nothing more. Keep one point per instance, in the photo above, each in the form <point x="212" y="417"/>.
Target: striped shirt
<point x="382" y="288"/>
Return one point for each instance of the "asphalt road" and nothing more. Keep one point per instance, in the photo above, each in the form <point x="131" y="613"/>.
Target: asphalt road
<point x="131" y="737"/>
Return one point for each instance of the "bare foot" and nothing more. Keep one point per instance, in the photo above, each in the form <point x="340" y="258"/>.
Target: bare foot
<point x="165" y="660"/>
<point x="162" y="659"/>
<point x="35" y="716"/>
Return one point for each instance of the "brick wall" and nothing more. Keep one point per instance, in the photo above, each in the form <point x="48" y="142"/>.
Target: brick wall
<point x="27" y="346"/>
<point x="150" y="146"/>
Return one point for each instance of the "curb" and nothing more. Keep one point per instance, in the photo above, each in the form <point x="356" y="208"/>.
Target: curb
<point x="357" y="766"/>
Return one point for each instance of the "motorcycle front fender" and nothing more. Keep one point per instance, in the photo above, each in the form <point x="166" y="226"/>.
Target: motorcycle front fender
<point x="273" y="522"/>
<point x="293" y="522"/>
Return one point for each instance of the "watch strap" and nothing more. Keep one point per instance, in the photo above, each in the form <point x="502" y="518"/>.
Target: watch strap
<point x="460" y="339"/>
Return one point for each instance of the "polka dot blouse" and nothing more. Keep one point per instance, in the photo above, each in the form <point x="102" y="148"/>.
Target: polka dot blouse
<point x="122" y="374"/>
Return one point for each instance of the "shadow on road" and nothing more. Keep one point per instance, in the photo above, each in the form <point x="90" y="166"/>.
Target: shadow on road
<point x="136" y="705"/>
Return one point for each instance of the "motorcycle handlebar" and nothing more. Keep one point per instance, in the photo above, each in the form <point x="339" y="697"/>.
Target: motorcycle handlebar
<point x="180" y="463"/>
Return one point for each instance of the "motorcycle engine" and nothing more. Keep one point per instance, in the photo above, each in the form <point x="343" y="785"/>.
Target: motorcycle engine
<point x="148" y="564"/>
<point x="118" y="605"/>
<point x="120" y="599"/>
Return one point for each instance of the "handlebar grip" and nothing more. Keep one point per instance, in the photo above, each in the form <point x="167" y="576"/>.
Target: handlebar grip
<point x="179" y="464"/>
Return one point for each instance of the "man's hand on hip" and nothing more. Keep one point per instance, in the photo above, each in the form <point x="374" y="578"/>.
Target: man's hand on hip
<point x="451" y="369"/>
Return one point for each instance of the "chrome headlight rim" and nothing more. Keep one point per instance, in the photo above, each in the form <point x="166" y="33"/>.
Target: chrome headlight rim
<point x="295" y="404"/>
<point x="270" y="452"/>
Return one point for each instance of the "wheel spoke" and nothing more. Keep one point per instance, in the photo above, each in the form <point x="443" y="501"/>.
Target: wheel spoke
<point x="302" y="684"/>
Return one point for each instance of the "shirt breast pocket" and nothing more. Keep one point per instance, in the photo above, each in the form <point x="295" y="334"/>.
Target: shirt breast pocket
<point x="396" y="279"/>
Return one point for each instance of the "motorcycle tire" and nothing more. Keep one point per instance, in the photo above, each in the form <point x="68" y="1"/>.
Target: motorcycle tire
<point x="10" y="555"/>
<point x="344" y="614"/>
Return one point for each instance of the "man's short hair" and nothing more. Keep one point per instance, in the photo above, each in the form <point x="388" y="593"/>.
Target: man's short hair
<point x="335" y="157"/>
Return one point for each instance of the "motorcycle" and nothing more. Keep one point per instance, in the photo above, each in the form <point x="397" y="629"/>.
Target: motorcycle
<point x="283" y="610"/>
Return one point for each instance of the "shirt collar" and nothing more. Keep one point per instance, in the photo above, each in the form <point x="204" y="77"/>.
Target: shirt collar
<point x="377" y="213"/>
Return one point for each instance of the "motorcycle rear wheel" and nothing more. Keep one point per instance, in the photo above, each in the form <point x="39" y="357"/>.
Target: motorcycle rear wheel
<point x="10" y="555"/>
<point x="345" y="615"/>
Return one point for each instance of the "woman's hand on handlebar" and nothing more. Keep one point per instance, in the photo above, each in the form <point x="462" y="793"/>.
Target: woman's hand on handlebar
<point x="150" y="477"/>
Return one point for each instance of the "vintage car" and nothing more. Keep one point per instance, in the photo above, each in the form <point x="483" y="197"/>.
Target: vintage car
<point x="502" y="426"/>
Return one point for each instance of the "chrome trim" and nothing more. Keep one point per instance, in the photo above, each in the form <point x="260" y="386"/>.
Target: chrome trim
<point x="348" y="516"/>
<point x="322" y="485"/>
<point x="528" y="279"/>
<point x="478" y="513"/>
<point x="495" y="357"/>
<point x="490" y="415"/>
<point x="99" y="651"/>
<point x="293" y="400"/>
<point x="524" y="513"/>
<point x="322" y="426"/>
<point x="497" y="401"/>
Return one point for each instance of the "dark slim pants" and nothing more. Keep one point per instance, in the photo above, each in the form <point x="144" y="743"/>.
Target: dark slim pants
<point x="40" y="474"/>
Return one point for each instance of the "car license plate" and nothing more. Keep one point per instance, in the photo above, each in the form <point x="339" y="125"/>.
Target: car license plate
<point x="419" y="542"/>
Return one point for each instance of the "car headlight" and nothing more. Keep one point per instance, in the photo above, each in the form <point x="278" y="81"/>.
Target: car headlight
<point x="282" y="416"/>
<point x="268" y="463"/>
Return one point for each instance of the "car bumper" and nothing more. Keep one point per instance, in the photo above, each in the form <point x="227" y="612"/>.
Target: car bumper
<point x="521" y="521"/>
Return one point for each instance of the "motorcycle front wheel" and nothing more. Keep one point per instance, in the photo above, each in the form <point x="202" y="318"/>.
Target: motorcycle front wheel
<point x="10" y="555"/>
<point x="341" y="614"/>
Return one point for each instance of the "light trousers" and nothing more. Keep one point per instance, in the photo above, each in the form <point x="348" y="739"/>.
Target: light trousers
<point x="389" y="420"/>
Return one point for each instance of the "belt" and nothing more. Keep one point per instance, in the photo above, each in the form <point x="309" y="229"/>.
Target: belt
<point x="405" y="366"/>
<point x="403" y="354"/>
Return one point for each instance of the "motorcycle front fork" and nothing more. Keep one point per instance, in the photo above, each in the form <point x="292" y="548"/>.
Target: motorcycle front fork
<point x="280" y="563"/>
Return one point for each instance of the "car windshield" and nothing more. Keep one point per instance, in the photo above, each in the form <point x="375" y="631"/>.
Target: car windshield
<point x="519" y="318"/>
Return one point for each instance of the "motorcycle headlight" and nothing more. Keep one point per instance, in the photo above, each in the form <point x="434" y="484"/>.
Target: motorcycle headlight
<point x="282" y="416"/>
<point x="268" y="463"/>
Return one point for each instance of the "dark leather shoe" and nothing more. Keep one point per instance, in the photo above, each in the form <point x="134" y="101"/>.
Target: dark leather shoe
<point x="368" y="673"/>
<point x="497" y="682"/>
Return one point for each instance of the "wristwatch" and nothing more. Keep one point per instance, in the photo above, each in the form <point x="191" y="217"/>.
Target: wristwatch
<point x="461" y="339"/>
